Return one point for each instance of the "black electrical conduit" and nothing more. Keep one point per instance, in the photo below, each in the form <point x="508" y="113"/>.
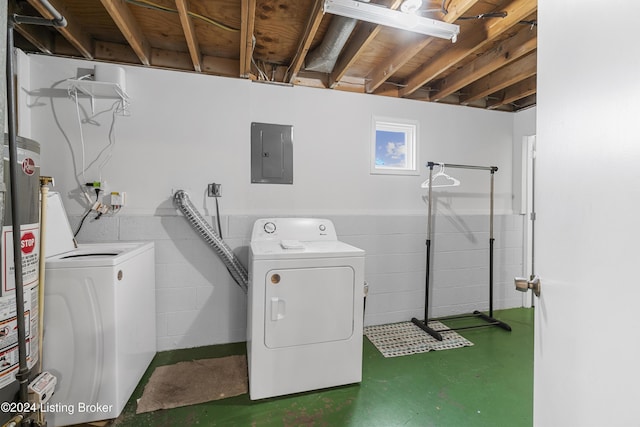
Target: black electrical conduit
<point x="207" y="232"/>
<point x="58" y="21"/>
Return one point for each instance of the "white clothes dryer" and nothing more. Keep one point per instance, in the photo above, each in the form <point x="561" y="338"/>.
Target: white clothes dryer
<point x="99" y="321"/>
<point x="305" y="311"/>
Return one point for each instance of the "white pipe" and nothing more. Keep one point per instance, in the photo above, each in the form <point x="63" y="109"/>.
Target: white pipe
<point x="58" y="20"/>
<point x="44" y="190"/>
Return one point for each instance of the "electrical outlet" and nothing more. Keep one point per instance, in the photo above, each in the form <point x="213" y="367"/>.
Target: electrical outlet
<point x="213" y="190"/>
<point x="117" y="200"/>
<point x="100" y="208"/>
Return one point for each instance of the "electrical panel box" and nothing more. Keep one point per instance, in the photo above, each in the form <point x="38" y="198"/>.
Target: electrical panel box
<point x="271" y="153"/>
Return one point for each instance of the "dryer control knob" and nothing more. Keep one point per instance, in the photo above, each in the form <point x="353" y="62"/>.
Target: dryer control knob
<point x="269" y="227"/>
<point x="323" y="227"/>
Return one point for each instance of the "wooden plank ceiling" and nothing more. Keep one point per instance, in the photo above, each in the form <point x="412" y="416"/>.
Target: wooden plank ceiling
<point x="492" y="65"/>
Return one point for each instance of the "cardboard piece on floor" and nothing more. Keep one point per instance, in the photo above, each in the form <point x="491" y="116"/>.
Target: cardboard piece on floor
<point x="193" y="382"/>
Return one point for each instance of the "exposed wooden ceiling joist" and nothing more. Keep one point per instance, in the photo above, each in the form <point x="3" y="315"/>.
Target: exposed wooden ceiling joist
<point x="162" y="58"/>
<point x="270" y="39"/>
<point x="515" y="92"/>
<point x="315" y="18"/>
<point x="73" y="32"/>
<point x="467" y="45"/>
<point x="506" y="52"/>
<point x="365" y="34"/>
<point x="248" y="16"/>
<point x="523" y="103"/>
<point x="38" y="36"/>
<point x="504" y="77"/>
<point x="130" y="29"/>
<point x="404" y="53"/>
<point x="189" y="34"/>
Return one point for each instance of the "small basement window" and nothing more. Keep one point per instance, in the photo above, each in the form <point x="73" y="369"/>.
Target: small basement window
<point x="394" y="149"/>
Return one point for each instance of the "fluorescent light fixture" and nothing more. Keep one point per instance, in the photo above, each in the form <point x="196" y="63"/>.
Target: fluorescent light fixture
<point x="381" y="15"/>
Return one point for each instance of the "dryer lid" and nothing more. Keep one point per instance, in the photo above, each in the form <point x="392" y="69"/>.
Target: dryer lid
<point x="59" y="237"/>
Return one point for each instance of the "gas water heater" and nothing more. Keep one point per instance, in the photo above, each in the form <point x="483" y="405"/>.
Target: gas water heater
<point x="29" y="217"/>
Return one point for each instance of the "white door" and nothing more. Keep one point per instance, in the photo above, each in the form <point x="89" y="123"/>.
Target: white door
<point x="587" y="335"/>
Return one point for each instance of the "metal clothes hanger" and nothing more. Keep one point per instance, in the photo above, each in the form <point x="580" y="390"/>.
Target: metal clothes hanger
<point x="450" y="181"/>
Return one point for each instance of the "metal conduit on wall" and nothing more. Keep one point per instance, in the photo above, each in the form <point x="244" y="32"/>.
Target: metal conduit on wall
<point x="202" y="227"/>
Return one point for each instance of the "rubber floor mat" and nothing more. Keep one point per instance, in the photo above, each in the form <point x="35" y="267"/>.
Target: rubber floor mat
<point x="404" y="338"/>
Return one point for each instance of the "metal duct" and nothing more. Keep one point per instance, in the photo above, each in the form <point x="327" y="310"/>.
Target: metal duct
<point x="202" y="227"/>
<point x="324" y="57"/>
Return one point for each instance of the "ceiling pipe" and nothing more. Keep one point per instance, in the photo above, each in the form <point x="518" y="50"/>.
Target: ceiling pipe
<point x="57" y="19"/>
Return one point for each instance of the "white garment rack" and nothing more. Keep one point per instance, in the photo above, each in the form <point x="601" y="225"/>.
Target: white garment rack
<point x="489" y="319"/>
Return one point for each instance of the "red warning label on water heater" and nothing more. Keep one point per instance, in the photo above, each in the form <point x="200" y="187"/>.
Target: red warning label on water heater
<point x="30" y="248"/>
<point x="27" y="242"/>
<point x="28" y="166"/>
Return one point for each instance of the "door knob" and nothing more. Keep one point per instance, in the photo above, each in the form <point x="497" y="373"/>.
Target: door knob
<point x="523" y="284"/>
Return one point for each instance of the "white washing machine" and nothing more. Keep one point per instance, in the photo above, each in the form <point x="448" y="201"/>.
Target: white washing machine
<point x="99" y="321"/>
<point x="306" y="298"/>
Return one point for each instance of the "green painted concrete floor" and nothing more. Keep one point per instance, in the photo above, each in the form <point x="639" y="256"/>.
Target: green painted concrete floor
<point x="488" y="384"/>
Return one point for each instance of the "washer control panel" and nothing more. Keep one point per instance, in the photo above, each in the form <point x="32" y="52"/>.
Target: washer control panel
<point x="301" y="229"/>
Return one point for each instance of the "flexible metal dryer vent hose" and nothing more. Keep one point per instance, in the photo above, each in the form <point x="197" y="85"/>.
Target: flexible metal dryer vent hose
<point x="202" y="227"/>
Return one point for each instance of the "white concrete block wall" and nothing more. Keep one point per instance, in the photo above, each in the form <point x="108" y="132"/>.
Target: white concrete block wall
<point x="199" y="304"/>
<point x="396" y="263"/>
<point x="205" y="138"/>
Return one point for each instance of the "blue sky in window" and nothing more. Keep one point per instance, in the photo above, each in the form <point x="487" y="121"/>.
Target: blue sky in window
<point x="391" y="149"/>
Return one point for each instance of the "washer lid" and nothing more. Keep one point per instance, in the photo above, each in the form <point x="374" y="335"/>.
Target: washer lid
<point x="313" y="249"/>
<point x="59" y="237"/>
<point x="98" y="255"/>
